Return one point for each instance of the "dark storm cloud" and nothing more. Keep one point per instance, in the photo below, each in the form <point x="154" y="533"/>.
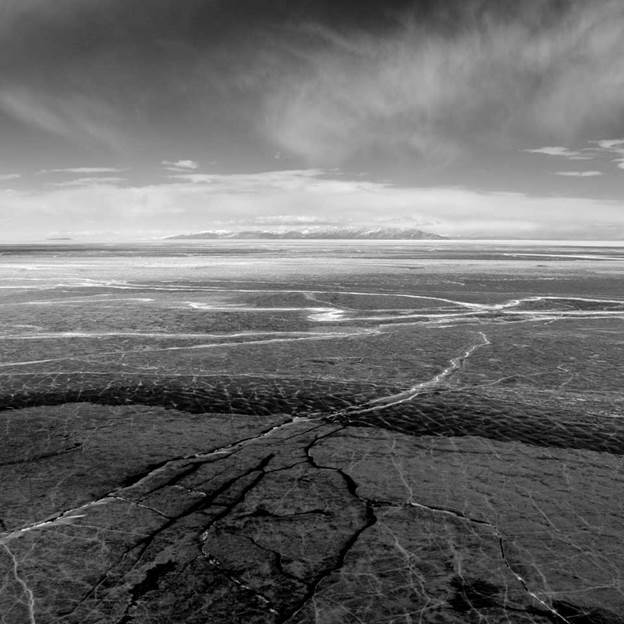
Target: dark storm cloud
<point x="255" y="75"/>
<point x="136" y="51"/>
<point x="134" y="77"/>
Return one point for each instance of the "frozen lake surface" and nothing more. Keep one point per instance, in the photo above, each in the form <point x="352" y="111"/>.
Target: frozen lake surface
<point x="340" y="431"/>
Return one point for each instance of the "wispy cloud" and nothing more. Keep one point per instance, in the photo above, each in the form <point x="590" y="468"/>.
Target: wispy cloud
<point x="613" y="147"/>
<point x="610" y="144"/>
<point x="91" y="182"/>
<point x="290" y="220"/>
<point x="561" y="151"/>
<point x="579" y="174"/>
<point x="180" y="165"/>
<point x="9" y="176"/>
<point x="597" y="150"/>
<point x="437" y="93"/>
<point x="286" y="180"/>
<point x="75" y="117"/>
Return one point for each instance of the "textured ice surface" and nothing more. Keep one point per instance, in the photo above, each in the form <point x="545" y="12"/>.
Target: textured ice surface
<point x="282" y="433"/>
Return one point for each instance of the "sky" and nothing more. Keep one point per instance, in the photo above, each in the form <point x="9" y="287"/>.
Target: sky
<point x="124" y="119"/>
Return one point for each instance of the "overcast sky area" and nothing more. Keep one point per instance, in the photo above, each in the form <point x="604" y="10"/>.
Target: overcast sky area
<point x="476" y="118"/>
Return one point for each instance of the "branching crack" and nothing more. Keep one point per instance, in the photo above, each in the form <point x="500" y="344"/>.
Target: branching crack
<point x="369" y="520"/>
<point x="551" y="611"/>
<point x="266" y="603"/>
<point x="339" y="560"/>
<point x="142" y="506"/>
<point x="443" y="510"/>
<point x="142" y="587"/>
<point x="30" y="598"/>
<point x="194" y="460"/>
<point x="371" y="504"/>
<point x="28" y="460"/>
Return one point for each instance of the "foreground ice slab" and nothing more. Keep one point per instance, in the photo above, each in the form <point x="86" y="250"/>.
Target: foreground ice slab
<point x="453" y="506"/>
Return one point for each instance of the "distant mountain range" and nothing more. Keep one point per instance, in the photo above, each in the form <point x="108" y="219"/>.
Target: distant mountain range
<point x="333" y="233"/>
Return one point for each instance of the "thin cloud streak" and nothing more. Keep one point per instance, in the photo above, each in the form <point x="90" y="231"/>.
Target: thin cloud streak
<point x="560" y="151"/>
<point x="180" y="165"/>
<point x="91" y="182"/>
<point x="614" y="147"/>
<point x="77" y="118"/>
<point x="599" y="149"/>
<point x="579" y="174"/>
<point x="83" y="170"/>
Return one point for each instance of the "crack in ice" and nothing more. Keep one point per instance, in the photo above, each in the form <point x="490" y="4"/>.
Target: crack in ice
<point x="30" y="598"/>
